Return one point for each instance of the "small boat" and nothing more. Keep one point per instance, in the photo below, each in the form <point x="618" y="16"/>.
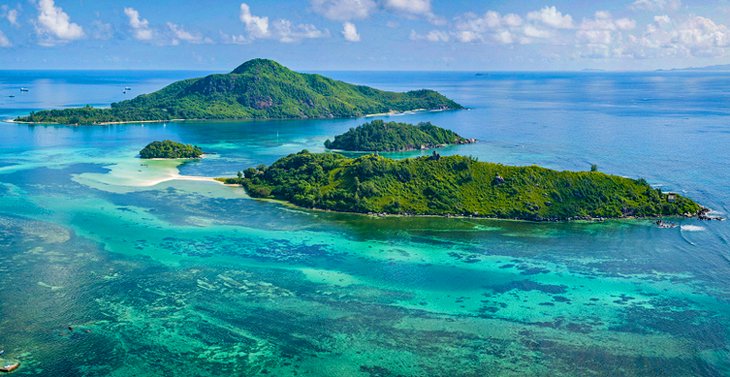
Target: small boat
<point x="7" y="368"/>
<point x="127" y="88"/>
<point x="11" y="96"/>
<point x="23" y="89"/>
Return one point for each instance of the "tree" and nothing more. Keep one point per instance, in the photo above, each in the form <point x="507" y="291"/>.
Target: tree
<point x="594" y="167"/>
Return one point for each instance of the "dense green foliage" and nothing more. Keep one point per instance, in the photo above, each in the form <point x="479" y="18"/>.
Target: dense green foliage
<point x="258" y="89"/>
<point x="170" y="149"/>
<point x="390" y="137"/>
<point x="455" y="185"/>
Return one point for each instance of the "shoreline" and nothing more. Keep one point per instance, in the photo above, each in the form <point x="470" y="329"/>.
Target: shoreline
<point x="178" y="177"/>
<point x="394" y="113"/>
<point x="428" y="148"/>
<point x="97" y="124"/>
<point x="394" y="215"/>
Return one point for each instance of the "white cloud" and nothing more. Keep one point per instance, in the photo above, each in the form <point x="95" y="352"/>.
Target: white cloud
<point x="432" y="36"/>
<point x="286" y="32"/>
<point x="511" y="28"/>
<point x="348" y="10"/>
<point x="9" y="14"/>
<point x="603" y="36"/>
<point x="4" y="41"/>
<point x="656" y="5"/>
<point x="695" y="36"/>
<point x="180" y="34"/>
<point x="535" y="32"/>
<point x="282" y="29"/>
<point x="663" y="19"/>
<point x="233" y="39"/>
<point x="54" y="25"/>
<point x="413" y="8"/>
<point x="625" y="24"/>
<point x="257" y="27"/>
<point x="344" y="10"/>
<point x="550" y="16"/>
<point x="140" y="26"/>
<point x="349" y="32"/>
<point x="417" y="7"/>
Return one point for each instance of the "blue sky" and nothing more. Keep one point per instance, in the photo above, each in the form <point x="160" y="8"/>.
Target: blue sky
<point x="364" y="34"/>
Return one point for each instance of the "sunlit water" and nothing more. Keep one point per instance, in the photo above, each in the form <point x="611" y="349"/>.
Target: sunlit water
<point x="158" y="276"/>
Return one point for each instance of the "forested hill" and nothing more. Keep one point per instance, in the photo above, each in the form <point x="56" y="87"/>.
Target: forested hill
<point x="390" y="137"/>
<point x="257" y="89"/>
<point x="456" y="185"/>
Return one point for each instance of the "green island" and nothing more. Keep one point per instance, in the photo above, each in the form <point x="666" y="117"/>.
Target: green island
<point x="392" y="137"/>
<point x="257" y="89"/>
<point x="170" y="149"/>
<point x="456" y="186"/>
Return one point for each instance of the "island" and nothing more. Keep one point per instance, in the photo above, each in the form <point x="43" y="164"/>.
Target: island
<point x="456" y="186"/>
<point x="378" y="136"/>
<point x="170" y="149"/>
<point x="257" y="89"/>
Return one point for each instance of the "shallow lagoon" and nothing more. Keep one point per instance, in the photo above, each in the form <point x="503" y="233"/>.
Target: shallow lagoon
<point x="194" y="277"/>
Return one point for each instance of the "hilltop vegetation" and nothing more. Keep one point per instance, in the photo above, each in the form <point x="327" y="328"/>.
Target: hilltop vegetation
<point x="258" y="89"/>
<point x="390" y="137"/>
<point x="455" y="185"/>
<point x="170" y="149"/>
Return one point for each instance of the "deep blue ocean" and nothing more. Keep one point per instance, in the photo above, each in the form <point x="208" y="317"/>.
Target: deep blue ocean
<point x="113" y="266"/>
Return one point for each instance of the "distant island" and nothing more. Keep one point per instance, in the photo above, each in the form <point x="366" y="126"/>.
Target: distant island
<point x="391" y="137"/>
<point x="458" y="186"/>
<point x="257" y="89"/>
<point x="170" y="149"/>
<point x="709" y="68"/>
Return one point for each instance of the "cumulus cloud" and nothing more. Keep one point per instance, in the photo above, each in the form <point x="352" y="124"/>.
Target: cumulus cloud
<point x="4" y="41"/>
<point x="349" y="32"/>
<point x="11" y="15"/>
<point x="234" y="39"/>
<point x="602" y="36"/>
<point x="413" y="8"/>
<point x="431" y="36"/>
<point x="287" y="32"/>
<point x="347" y="10"/>
<point x="550" y="16"/>
<point x="257" y="27"/>
<point x="282" y="30"/>
<point x="419" y="7"/>
<point x="140" y="27"/>
<point x="691" y="36"/>
<point x="179" y="34"/>
<point x="493" y="27"/>
<point x="54" y="26"/>
<point x="695" y="36"/>
<point x="656" y="5"/>
<point x="344" y="10"/>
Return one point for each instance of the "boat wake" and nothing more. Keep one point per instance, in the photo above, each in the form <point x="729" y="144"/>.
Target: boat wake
<point x="692" y="228"/>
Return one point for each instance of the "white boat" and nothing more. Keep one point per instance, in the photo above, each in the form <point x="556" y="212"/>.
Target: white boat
<point x="127" y="88"/>
<point x="23" y="89"/>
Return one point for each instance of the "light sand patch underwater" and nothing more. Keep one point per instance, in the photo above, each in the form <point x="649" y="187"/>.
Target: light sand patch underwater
<point x="133" y="174"/>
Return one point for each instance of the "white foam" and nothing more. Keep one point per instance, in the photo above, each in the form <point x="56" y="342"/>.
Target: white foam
<point x="693" y="228"/>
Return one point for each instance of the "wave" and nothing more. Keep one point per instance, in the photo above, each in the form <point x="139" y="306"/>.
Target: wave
<point x="693" y="228"/>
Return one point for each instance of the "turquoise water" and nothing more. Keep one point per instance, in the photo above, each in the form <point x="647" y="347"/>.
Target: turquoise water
<point x="160" y="275"/>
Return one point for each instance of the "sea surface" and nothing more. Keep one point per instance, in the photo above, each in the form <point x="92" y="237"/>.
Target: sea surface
<point x="114" y="266"/>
